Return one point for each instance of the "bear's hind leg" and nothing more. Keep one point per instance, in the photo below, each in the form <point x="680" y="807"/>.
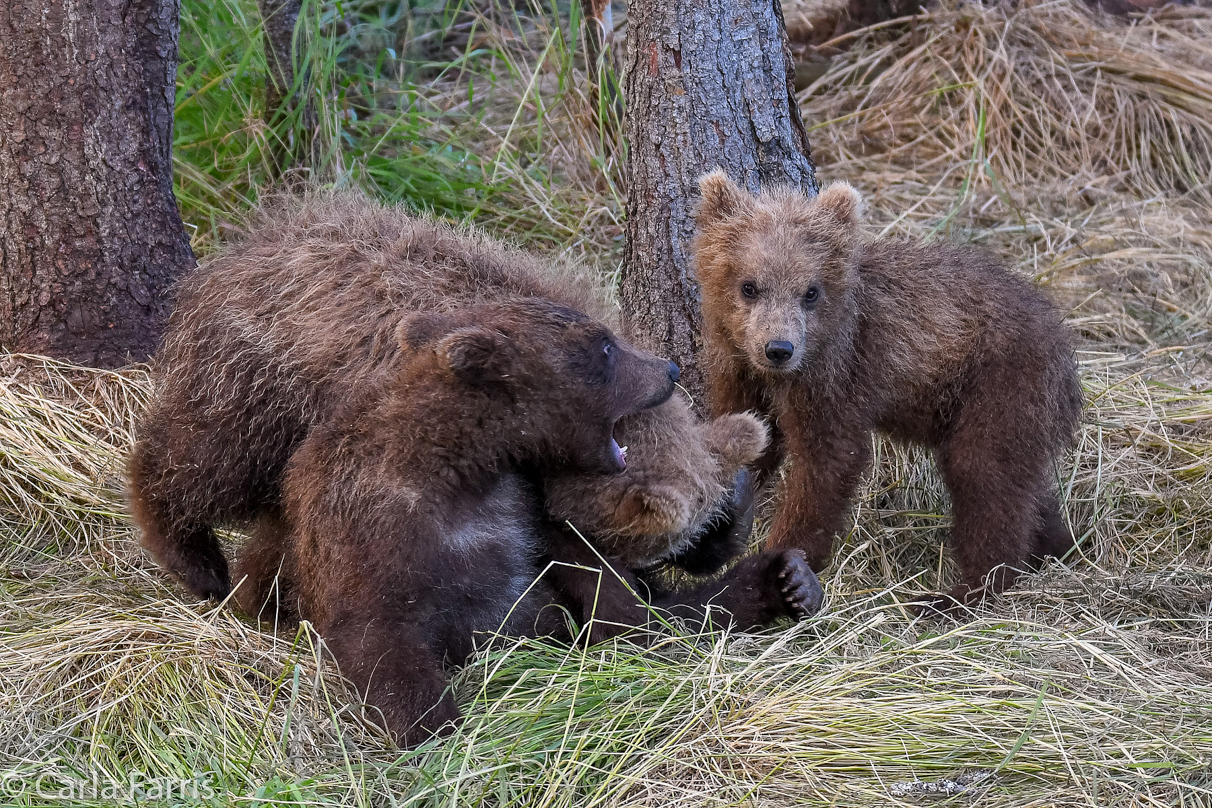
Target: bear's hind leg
<point x="181" y="545"/>
<point x="994" y="495"/>
<point x="263" y="583"/>
<point x="196" y="556"/>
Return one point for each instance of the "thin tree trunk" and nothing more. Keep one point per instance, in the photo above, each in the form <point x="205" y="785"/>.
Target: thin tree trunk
<point x="278" y="19"/>
<point x="599" y="31"/>
<point x="869" y="12"/>
<point x="90" y="235"/>
<point x="708" y="83"/>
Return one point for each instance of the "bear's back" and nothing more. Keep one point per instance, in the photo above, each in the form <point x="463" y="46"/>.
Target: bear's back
<point x="931" y="313"/>
<point x="314" y="295"/>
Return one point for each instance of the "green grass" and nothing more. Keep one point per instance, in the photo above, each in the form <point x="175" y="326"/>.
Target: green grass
<point x="445" y="109"/>
<point x="225" y="153"/>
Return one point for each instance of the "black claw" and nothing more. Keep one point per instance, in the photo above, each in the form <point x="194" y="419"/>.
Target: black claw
<point x="801" y="589"/>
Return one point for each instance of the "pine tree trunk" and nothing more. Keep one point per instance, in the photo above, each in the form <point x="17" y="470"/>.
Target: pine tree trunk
<point x="90" y="235"/>
<point x="707" y="83"/>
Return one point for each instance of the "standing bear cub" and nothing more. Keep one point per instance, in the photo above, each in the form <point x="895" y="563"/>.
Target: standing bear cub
<point x="408" y="524"/>
<point x="835" y="337"/>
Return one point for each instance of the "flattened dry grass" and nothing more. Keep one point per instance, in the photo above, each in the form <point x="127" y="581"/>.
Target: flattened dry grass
<point x="1088" y="684"/>
<point x="1090" y="681"/>
<point x="1040" y="90"/>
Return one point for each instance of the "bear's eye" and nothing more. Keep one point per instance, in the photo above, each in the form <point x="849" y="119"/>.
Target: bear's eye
<point x="607" y="349"/>
<point x="812" y="295"/>
<point x="749" y="290"/>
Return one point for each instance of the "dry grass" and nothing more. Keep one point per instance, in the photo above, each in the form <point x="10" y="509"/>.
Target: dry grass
<point x="1091" y="681"/>
<point x="1089" y="684"/>
<point x="1040" y="91"/>
<point x="1057" y="139"/>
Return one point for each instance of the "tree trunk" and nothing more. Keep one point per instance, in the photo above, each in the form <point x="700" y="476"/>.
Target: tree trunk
<point x="599" y="31"/>
<point x="708" y="83"/>
<point x="870" y="12"/>
<point x="90" y="236"/>
<point x="278" y="20"/>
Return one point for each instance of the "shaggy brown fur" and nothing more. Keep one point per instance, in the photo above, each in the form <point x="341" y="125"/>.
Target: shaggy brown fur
<point x="935" y="345"/>
<point x="269" y="333"/>
<point x="677" y="472"/>
<point x="407" y="529"/>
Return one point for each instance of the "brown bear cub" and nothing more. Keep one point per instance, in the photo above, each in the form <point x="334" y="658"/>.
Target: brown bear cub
<point x="270" y="332"/>
<point x="834" y="337"/>
<point x="407" y="526"/>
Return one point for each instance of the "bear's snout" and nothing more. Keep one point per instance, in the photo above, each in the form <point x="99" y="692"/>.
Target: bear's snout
<point x="779" y="351"/>
<point x="675" y="372"/>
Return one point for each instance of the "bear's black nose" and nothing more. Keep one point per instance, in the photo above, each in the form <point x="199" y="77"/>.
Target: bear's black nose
<point x="779" y="351"/>
<point x="674" y="372"/>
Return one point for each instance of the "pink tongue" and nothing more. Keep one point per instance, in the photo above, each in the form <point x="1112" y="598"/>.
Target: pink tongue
<point x="619" y="454"/>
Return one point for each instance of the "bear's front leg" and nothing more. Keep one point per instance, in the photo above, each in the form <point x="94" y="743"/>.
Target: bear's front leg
<point x="827" y="462"/>
<point x="397" y="672"/>
<point x="731" y="388"/>
<point x="601" y="594"/>
<point x="758" y="591"/>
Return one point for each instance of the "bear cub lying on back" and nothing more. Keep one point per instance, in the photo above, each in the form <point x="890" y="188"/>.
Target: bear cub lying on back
<point x="834" y="338"/>
<point x="407" y="525"/>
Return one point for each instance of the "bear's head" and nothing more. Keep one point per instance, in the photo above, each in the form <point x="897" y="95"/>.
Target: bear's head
<point x="543" y="378"/>
<point x="679" y="474"/>
<point x="776" y="269"/>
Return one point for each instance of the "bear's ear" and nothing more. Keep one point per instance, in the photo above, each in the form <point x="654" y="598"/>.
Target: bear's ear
<point x="721" y="199"/>
<point x="653" y="510"/>
<point x="419" y="330"/>
<point x="477" y="354"/>
<point x="842" y="202"/>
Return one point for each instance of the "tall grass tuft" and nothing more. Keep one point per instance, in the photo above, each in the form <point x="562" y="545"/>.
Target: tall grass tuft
<point x="471" y="113"/>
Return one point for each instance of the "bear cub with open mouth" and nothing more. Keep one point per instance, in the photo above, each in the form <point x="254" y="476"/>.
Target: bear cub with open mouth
<point x="276" y="328"/>
<point x="834" y="337"/>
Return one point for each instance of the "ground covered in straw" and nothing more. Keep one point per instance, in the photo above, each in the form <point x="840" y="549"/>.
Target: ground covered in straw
<point x="1078" y="149"/>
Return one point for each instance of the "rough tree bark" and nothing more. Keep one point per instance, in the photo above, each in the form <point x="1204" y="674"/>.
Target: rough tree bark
<point x="707" y="83"/>
<point x="90" y="235"/>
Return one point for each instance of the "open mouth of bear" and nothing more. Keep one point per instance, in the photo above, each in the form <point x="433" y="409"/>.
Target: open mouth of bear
<point x="617" y="451"/>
